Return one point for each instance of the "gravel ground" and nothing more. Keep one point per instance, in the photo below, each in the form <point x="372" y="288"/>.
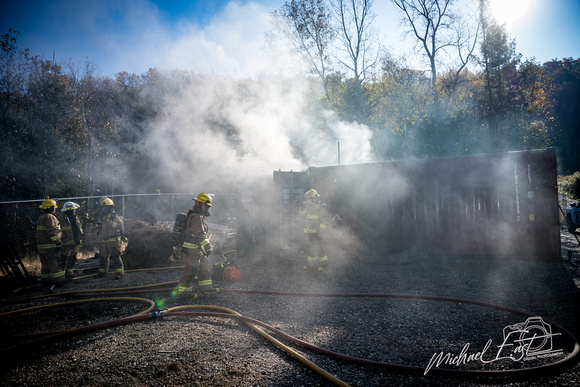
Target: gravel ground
<point x="212" y="351"/>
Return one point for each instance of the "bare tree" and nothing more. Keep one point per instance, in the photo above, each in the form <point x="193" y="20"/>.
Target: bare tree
<point x="357" y="38"/>
<point x="359" y="47"/>
<point x="466" y="39"/>
<point x="308" y="24"/>
<point x="430" y="22"/>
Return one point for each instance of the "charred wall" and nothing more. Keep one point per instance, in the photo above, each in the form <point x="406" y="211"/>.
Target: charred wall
<point x="502" y="204"/>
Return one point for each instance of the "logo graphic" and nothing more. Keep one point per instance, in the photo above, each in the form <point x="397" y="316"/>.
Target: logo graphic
<point x="529" y="340"/>
<point x="534" y="336"/>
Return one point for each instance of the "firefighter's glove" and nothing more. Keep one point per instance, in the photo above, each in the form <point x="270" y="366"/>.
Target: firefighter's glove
<point x="58" y="247"/>
<point x="208" y="250"/>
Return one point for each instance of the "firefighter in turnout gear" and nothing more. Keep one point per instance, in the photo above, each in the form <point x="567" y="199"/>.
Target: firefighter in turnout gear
<point x="49" y="245"/>
<point x="314" y="213"/>
<point x="72" y="233"/>
<point x="196" y="249"/>
<point x="110" y="230"/>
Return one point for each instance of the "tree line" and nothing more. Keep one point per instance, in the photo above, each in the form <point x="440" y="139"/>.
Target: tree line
<point x="64" y="131"/>
<point x="485" y="100"/>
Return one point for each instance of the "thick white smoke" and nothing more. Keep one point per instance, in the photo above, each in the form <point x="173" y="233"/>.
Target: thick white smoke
<point x="248" y="111"/>
<point x="233" y="130"/>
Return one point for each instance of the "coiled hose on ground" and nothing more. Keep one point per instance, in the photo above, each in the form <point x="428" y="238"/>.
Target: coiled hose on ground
<point x="151" y="313"/>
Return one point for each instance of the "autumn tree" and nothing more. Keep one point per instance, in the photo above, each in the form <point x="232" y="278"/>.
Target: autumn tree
<point x="534" y="107"/>
<point x="400" y="99"/>
<point x="564" y="96"/>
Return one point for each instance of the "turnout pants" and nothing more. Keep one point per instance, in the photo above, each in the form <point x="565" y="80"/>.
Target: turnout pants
<point x="51" y="272"/>
<point x="191" y="260"/>
<point x="115" y="261"/>
<point x="68" y="258"/>
<point x="316" y="253"/>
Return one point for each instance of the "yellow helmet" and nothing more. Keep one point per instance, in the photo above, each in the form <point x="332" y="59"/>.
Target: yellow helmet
<point x="48" y="203"/>
<point x="311" y="194"/>
<point x="105" y="201"/>
<point x="203" y="198"/>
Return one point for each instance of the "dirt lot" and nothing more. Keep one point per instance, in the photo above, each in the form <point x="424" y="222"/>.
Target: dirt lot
<point x="419" y="307"/>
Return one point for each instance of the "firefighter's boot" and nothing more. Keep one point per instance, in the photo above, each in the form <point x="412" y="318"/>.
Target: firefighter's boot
<point x="208" y="292"/>
<point x="184" y="292"/>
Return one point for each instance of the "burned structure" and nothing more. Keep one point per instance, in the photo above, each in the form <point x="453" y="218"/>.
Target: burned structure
<point x="489" y="205"/>
<point x="502" y="205"/>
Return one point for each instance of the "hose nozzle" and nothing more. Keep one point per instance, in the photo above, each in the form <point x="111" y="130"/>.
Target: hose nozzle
<point x="157" y="313"/>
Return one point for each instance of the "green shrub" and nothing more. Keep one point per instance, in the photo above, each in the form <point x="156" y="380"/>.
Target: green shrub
<point x="570" y="185"/>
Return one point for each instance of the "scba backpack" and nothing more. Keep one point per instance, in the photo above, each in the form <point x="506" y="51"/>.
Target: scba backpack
<point x="226" y="271"/>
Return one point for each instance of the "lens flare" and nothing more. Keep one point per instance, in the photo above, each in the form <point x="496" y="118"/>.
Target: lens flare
<point x="160" y="302"/>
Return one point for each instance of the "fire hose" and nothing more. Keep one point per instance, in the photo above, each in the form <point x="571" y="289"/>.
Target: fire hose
<point x="254" y="324"/>
<point x="151" y="313"/>
<point x="137" y="299"/>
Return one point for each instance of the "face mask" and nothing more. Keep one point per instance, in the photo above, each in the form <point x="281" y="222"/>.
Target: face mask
<point x="206" y="211"/>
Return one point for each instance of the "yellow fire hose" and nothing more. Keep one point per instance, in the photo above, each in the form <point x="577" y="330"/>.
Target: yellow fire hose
<point x="271" y="339"/>
<point x="133" y="271"/>
<point x="84" y="301"/>
<point x="20" y="300"/>
<point x="137" y="299"/>
<point x="258" y="330"/>
<point x="261" y="332"/>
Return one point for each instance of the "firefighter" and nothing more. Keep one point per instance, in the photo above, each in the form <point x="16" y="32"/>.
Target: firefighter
<point x="196" y="249"/>
<point x="72" y="233"/>
<point x="314" y="213"/>
<point x="110" y="229"/>
<point x="49" y="245"/>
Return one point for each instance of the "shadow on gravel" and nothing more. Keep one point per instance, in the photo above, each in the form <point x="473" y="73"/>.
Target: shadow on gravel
<point x="391" y="328"/>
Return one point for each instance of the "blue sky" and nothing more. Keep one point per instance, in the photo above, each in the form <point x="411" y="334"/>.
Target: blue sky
<point x="222" y="36"/>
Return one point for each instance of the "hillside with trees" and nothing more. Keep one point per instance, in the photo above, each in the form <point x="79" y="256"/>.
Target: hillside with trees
<point x="66" y="131"/>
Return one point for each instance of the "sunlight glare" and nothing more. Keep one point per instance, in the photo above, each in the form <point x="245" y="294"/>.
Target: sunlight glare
<point x="509" y="12"/>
